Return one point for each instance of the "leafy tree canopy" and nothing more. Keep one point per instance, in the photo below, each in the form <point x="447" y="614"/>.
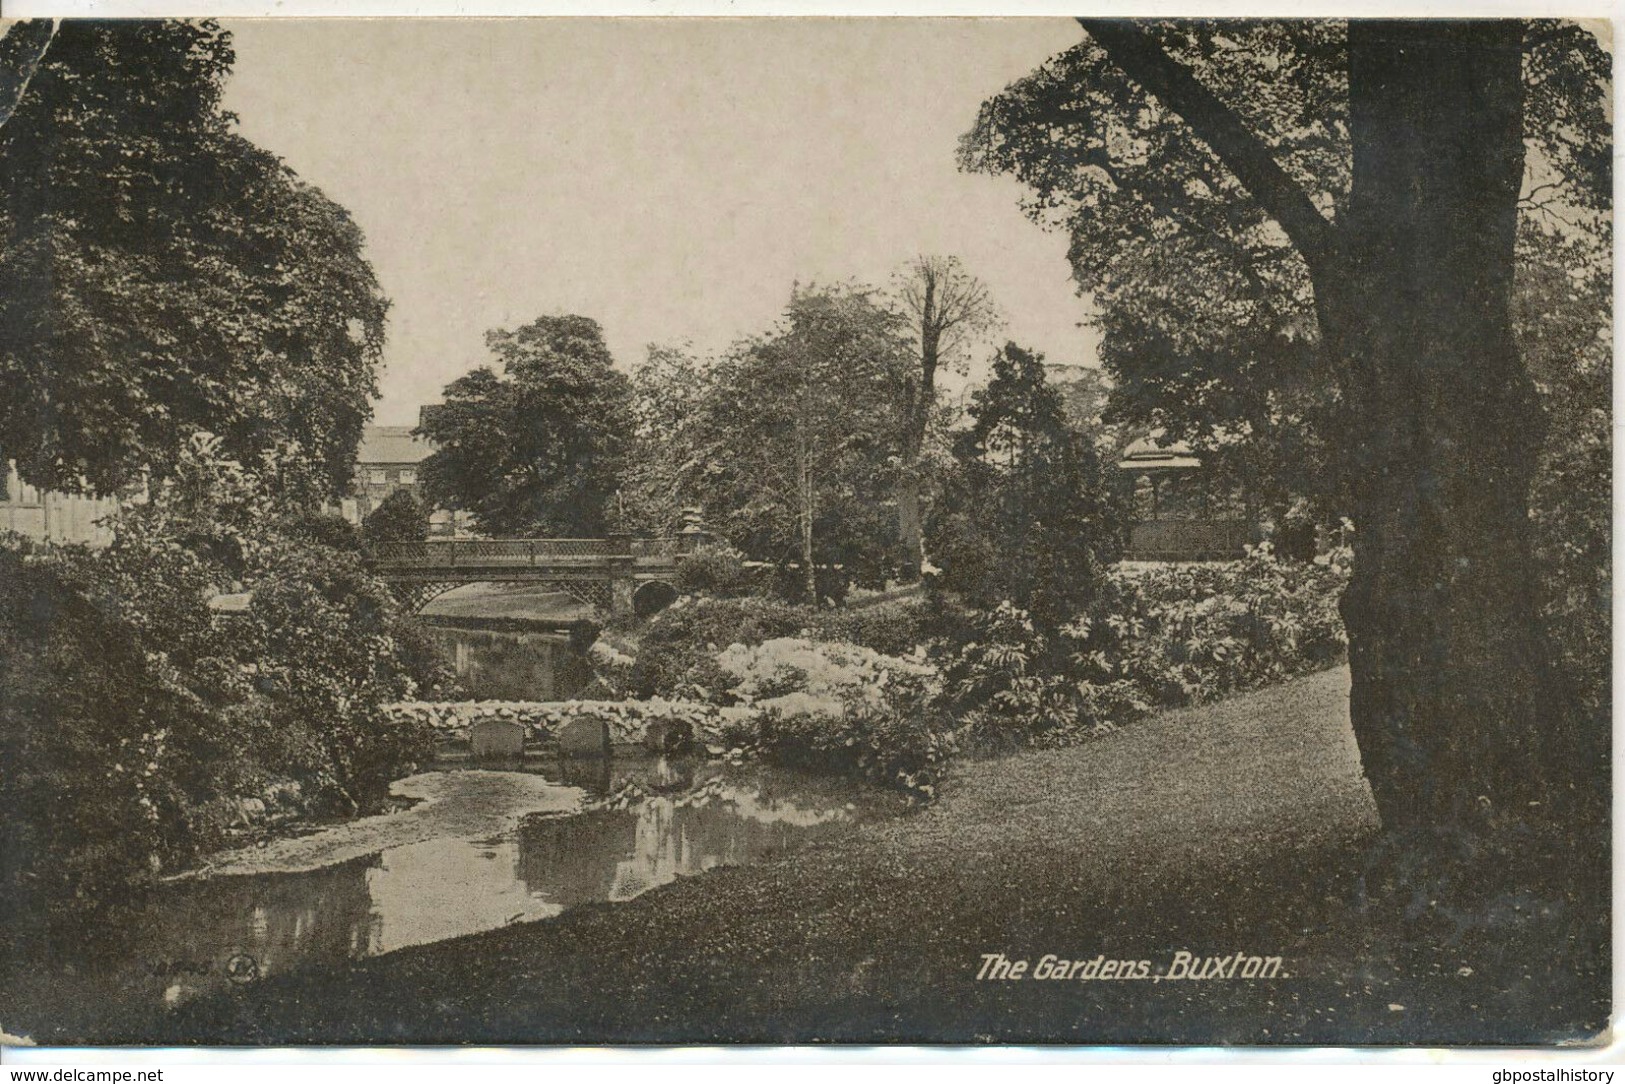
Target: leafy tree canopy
<point x="1321" y="232"/>
<point x="668" y="391"/>
<point x="399" y="517"/>
<point x="538" y="447"/>
<point x="161" y="276"/>
<point x="1204" y="304"/>
<point x="799" y="436"/>
<point x="1029" y="516"/>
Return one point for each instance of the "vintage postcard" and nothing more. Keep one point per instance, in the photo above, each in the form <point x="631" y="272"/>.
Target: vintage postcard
<point x="767" y="530"/>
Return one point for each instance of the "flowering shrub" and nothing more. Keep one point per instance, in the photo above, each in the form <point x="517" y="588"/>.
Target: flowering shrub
<point x="1164" y="637"/>
<point x="790" y="665"/>
<point x="677" y="655"/>
<point x="887" y="728"/>
<point x="1190" y="633"/>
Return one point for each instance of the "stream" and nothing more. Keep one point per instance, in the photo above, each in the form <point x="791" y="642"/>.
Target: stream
<point x="478" y="849"/>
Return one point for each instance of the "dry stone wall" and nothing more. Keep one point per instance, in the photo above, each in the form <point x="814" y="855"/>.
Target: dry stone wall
<point x="629" y="721"/>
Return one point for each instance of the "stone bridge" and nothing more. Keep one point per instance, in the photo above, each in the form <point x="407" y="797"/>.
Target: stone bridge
<point x="614" y="575"/>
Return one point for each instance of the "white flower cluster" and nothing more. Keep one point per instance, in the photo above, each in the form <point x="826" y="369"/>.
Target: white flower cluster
<point x="797" y="676"/>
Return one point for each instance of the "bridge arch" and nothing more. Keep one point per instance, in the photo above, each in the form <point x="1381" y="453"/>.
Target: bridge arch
<point x="614" y="575"/>
<point x="652" y="596"/>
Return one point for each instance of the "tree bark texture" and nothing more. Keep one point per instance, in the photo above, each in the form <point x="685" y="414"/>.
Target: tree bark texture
<point x="1443" y="432"/>
<point x="1452" y="705"/>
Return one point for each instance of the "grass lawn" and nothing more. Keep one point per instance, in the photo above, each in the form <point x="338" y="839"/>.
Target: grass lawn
<point x="1242" y="826"/>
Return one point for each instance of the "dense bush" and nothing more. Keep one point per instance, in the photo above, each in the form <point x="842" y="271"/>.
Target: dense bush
<point x="322" y="529"/>
<point x="832" y="583"/>
<point x="92" y="725"/>
<point x="716" y="571"/>
<point x="1010" y="687"/>
<point x="847" y="691"/>
<point x="399" y="517"/>
<point x="1163" y="637"/>
<point x="321" y="639"/>
<point x="893" y="627"/>
<point x="888" y="729"/>
<point x="677" y="655"/>
<point x="1028" y="514"/>
<point x="137" y="728"/>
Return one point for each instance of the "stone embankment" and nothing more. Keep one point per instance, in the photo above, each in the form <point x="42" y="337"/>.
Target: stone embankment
<point x="627" y="721"/>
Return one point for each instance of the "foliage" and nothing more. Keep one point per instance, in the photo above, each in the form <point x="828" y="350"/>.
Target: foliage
<point x="137" y="724"/>
<point x="399" y="517"/>
<point x="786" y="667"/>
<point x="1029" y="515"/>
<point x="793" y="446"/>
<point x="320" y="634"/>
<point x="887" y="730"/>
<point x="209" y="506"/>
<point x="713" y="570"/>
<point x="537" y="448"/>
<point x="1204" y="306"/>
<point x="1204" y="170"/>
<point x="91" y="729"/>
<point x="1166" y="637"/>
<point x="322" y="529"/>
<point x="662" y="461"/>
<point x="893" y="627"/>
<point x="161" y="276"/>
<point x="628" y="720"/>
<point x="1564" y="333"/>
<point x="677" y="656"/>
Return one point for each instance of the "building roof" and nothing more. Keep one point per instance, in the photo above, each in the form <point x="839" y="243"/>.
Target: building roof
<point x="1150" y="453"/>
<point x="392" y="444"/>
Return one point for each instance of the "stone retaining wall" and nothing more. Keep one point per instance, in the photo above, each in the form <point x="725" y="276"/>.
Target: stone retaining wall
<point x="628" y="720"/>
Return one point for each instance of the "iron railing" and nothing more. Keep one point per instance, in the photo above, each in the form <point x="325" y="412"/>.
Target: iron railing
<point x="444" y="553"/>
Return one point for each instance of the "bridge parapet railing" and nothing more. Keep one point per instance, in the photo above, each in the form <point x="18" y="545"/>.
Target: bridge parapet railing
<point x="519" y="551"/>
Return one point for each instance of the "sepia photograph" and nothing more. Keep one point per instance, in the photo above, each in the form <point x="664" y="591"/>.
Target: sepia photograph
<point x="622" y="531"/>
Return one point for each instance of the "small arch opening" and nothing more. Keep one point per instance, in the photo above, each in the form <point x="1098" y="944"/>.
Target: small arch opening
<point x="652" y="597"/>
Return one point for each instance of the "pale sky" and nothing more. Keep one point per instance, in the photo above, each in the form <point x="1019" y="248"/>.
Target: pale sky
<point x="670" y="179"/>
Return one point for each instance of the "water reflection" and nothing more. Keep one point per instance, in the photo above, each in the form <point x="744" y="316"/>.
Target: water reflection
<point x="494" y="664"/>
<point x="651" y="822"/>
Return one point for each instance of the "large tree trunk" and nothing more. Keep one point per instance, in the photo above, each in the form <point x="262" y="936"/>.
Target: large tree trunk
<point x="1444" y="426"/>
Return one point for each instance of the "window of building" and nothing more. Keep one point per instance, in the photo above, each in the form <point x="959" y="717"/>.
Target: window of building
<point x="409" y="477"/>
<point x="378" y="476"/>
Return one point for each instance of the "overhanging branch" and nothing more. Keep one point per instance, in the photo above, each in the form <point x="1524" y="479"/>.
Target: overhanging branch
<point x="1142" y="59"/>
<point x="21" y="50"/>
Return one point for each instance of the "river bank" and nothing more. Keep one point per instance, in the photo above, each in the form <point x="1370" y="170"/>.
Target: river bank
<point x="1236" y="828"/>
<point x="479" y="848"/>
